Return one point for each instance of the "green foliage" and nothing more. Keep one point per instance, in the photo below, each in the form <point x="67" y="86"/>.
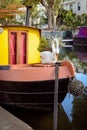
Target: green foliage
<point x="72" y="20"/>
<point x="72" y="55"/>
<point x="65" y="52"/>
<point x="30" y="2"/>
<point x="9" y="2"/>
<point x="53" y="7"/>
<point x="9" y="10"/>
<point x="69" y="18"/>
<point x="44" y="45"/>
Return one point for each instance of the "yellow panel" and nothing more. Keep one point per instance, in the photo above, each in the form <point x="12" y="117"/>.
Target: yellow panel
<point x="4" y="48"/>
<point x="33" y="53"/>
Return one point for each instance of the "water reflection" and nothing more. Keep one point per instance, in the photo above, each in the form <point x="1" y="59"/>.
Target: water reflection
<point x="72" y="113"/>
<point x="79" y="109"/>
<point x="76" y="107"/>
<point x="79" y="113"/>
<point x="43" y="120"/>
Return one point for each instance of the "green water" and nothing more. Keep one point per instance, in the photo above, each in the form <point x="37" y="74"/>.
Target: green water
<point x="43" y="120"/>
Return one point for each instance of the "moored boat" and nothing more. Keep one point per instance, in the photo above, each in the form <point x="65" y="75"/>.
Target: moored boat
<point x="24" y="81"/>
<point x="32" y="86"/>
<point x="80" y="44"/>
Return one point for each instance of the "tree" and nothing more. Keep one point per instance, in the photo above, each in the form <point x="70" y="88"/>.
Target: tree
<point x="9" y="10"/>
<point x="58" y="7"/>
<point x="48" y="4"/>
<point x="52" y="7"/>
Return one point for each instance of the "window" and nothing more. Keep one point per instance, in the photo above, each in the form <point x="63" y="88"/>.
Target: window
<point x="71" y="7"/>
<point x="17" y="47"/>
<point x="78" y="6"/>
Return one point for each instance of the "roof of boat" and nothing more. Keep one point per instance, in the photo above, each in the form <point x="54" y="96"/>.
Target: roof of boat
<point x="26" y="26"/>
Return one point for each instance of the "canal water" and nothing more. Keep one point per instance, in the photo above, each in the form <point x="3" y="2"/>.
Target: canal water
<point x="72" y="113"/>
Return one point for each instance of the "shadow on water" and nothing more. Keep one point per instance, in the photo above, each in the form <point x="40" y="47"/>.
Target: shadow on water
<point x="42" y="120"/>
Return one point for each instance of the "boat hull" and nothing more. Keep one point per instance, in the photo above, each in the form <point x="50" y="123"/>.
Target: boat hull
<point x="32" y="87"/>
<point x="32" y="95"/>
<point x="80" y="47"/>
<point x="80" y="44"/>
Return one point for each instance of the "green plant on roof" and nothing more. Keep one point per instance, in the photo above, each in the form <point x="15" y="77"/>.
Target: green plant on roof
<point x="44" y="45"/>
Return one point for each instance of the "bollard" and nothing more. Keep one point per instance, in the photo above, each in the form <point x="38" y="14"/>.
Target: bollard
<point x="55" y="116"/>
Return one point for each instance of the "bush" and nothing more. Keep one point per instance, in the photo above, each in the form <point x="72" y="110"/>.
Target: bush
<point x="44" y="45"/>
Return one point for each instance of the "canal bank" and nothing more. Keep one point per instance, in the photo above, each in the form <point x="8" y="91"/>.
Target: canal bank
<point x="10" y="122"/>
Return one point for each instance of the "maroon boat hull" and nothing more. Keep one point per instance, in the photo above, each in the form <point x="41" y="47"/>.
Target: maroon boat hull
<point x="32" y="95"/>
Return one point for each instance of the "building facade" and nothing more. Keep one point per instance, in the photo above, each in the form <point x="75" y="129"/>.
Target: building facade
<point x="78" y="7"/>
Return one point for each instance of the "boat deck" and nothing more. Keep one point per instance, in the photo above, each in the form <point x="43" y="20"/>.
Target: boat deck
<point x="36" y="72"/>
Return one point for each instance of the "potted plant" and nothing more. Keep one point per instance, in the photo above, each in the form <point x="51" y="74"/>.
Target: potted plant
<point x="44" y="45"/>
<point x="47" y="54"/>
<point x="45" y="50"/>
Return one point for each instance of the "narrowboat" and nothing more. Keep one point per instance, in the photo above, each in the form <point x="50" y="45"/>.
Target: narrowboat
<point x="80" y="43"/>
<point x="25" y="82"/>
